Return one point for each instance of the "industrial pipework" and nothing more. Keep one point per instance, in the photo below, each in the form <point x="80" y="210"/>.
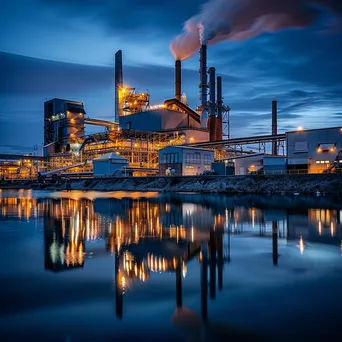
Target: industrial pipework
<point x="212" y="104"/>
<point x="203" y="85"/>
<point x="219" y="109"/>
<point x="274" y="127"/>
<point x="118" y="85"/>
<point x="178" y="80"/>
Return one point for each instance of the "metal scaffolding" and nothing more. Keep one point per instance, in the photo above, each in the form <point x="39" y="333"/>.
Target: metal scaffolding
<point x="138" y="147"/>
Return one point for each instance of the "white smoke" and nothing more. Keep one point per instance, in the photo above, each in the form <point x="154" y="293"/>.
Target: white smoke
<point x="241" y="19"/>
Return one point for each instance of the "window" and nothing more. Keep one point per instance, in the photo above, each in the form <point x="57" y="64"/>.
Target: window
<point x="322" y="162"/>
<point x="301" y="147"/>
<point x="326" y="147"/>
<point x="197" y="158"/>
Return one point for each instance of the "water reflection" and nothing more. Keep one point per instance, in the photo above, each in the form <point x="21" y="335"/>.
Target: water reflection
<point x="164" y="233"/>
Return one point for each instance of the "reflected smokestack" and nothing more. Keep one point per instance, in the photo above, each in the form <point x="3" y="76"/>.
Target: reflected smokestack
<point x="118" y="84"/>
<point x="220" y="259"/>
<point x="204" y="85"/>
<point x="212" y="264"/>
<point x="204" y="281"/>
<point x="178" y="80"/>
<point x="179" y="284"/>
<point x="274" y="126"/>
<point x="219" y="109"/>
<point x="212" y="99"/>
<point x="275" y="242"/>
<point x="118" y="291"/>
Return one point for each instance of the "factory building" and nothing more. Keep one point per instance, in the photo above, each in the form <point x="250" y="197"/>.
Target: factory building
<point x="63" y="125"/>
<point x="185" y="161"/>
<point x="314" y="150"/>
<point x="140" y="129"/>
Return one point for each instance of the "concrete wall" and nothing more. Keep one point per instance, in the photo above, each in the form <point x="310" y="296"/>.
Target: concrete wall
<point x="304" y="146"/>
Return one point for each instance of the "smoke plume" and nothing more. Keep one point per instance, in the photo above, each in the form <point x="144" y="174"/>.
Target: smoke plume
<point x="221" y="20"/>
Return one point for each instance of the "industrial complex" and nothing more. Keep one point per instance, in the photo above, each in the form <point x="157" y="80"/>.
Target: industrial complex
<point x="169" y="139"/>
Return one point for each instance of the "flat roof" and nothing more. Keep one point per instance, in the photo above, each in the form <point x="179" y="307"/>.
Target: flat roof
<point x="65" y="100"/>
<point x="201" y="129"/>
<point x="314" y="129"/>
<point x="188" y="148"/>
<point x="255" y="155"/>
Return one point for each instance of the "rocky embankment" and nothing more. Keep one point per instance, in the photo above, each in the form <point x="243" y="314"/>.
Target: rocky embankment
<point x="324" y="183"/>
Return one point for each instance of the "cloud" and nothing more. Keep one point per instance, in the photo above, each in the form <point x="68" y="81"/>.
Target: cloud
<point x="300" y="69"/>
<point x="220" y="20"/>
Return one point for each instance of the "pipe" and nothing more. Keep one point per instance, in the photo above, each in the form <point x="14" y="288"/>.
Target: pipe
<point x="178" y="80"/>
<point x="212" y="118"/>
<point x="219" y="109"/>
<point x="118" y="85"/>
<point x="274" y="126"/>
<point x="204" y="85"/>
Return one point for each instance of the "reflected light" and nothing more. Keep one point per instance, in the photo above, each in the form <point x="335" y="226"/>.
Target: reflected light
<point x="301" y="245"/>
<point x="184" y="270"/>
<point x="332" y="229"/>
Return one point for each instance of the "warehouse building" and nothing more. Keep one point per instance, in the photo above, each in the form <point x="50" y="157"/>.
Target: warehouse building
<point x="314" y="150"/>
<point x="185" y="161"/>
<point x="110" y="164"/>
<point x="259" y="163"/>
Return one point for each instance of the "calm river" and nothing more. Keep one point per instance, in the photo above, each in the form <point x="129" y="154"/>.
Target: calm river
<point x="91" y="266"/>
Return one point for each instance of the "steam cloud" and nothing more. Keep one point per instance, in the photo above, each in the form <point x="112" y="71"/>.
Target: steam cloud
<point x="221" y="20"/>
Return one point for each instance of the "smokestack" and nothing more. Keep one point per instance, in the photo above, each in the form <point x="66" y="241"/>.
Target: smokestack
<point x="212" y="100"/>
<point x="178" y="80"/>
<point x="274" y="126"/>
<point x="204" y="81"/>
<point x="219" y="109"/>
<point x="118" y="85"/>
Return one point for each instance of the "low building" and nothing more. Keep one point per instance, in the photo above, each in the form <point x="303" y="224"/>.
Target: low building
<point x="110" y="164"/>
<point x="259" y="163"/>
<point x="184" y="160"/>
<point x="313" y="150"/>
<point x="223" y="168"/>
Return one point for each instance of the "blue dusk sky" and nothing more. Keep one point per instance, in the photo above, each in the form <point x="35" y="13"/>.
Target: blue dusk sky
<point x="65" y="49"/>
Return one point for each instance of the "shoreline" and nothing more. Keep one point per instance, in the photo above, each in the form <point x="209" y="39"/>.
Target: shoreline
<point x="249" y="184"/>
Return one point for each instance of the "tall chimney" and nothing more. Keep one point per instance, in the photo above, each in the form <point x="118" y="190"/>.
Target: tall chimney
<point x="204" y="81"/>
<point x="118" y="85"/>
<point x="178" y="80"/>
<point x="274" y="126"/>
<point x="212" y="100"/>
<point x="219" y="109"/>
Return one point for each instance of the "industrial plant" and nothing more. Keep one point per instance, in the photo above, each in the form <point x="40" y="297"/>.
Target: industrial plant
<point x="169" y="138"/>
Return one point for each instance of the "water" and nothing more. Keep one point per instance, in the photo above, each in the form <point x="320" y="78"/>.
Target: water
<point x="88" y="266"/>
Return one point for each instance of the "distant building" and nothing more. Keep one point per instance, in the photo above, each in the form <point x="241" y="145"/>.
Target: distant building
<point x="63" y="125"/>
<point x="314" y="150"/>
<point x="184" y="160"/>
<point x="259" y="163"/>
<point x="109" y="164"/>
